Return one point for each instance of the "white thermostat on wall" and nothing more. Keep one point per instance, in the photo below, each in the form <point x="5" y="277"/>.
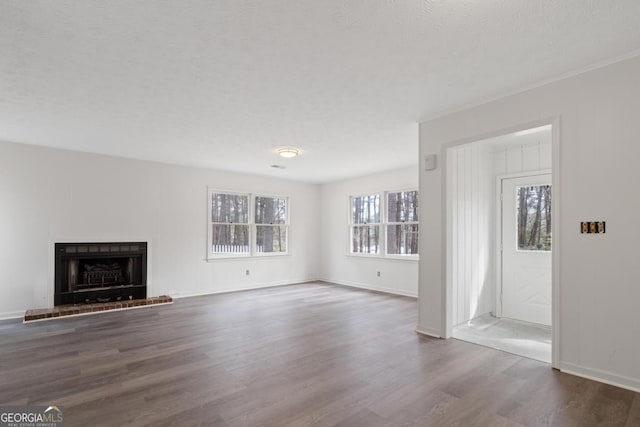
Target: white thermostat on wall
<point x="430" y="162"/>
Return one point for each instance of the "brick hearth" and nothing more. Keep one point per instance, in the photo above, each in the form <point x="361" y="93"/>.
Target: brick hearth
<point x="71" y="310"/>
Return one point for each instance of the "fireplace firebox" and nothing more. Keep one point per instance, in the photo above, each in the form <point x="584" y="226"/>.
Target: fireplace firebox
<point x="100" y="272"/>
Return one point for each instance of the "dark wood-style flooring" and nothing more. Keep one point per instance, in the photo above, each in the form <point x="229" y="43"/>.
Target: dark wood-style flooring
<point x="312" y="354"/>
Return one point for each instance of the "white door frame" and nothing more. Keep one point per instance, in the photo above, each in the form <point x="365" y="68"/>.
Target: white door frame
<point x="447" y="284"/>
<point x="498" y="276"/>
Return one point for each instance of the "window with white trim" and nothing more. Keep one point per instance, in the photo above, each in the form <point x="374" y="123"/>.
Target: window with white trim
<point x="229" y="231"/>
<point x="402" y="223"/>
<point x="242" y="224"/>
<point x="365" y="224"/>
<point x="272" y="224"/>
<point x="389" y="222"/>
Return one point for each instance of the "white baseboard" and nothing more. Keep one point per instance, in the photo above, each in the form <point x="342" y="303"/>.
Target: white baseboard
<point x="423" y="330"/>
<point x="12" y="314"/>
<point x="178" y="295"/>
<point x="371" y="287"/>
<point x="601" y="376"/>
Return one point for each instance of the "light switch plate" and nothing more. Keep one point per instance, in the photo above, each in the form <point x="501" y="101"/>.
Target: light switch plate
<point x="593" y="227"/>
<point x="430" y="162"/>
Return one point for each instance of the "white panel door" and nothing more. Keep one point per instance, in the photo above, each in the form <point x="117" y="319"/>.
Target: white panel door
<point x="526" y="248"/>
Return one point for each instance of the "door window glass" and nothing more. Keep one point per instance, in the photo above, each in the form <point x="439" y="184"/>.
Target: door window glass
<point x="534" y="218"/>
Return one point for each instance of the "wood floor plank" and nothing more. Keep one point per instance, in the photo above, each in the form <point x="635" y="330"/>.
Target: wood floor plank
<point x="302" y="355"/>
<point x="634" y="414"/>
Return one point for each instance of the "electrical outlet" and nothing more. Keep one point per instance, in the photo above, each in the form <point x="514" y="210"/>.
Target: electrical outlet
<point x="378" y="274"/>
<point x="246" y="272"/>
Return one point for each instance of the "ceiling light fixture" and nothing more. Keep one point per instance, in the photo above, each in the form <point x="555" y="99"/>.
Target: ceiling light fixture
<point x="288" y="152"/>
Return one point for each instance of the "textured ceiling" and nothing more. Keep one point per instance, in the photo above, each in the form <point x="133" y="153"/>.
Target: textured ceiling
<point x="222" y="84"/>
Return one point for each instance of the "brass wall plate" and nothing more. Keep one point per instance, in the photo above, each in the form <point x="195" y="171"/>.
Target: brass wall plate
<point x="592" y="227"/>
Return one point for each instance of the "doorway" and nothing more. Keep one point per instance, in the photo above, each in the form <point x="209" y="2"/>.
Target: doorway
<point x="499" y="206"/>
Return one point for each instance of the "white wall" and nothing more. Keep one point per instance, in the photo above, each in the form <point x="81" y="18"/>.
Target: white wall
<point x="595" y="178"/>
<point x="396" y="276"/>
<point x="49" y="195"/>
<point x="519" y="158"/>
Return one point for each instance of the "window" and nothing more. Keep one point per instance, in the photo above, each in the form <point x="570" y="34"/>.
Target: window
<point x="229" y="230"/>
<point x="402" y="223"/>
<point x="365" y="224"/>
<point x="271" y="224"/>
<point x="396" y="230"/>
<point x="245" y="225"/>
<point x="534" y="218"/>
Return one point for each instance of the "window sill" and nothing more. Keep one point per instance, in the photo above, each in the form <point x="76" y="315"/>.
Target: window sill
<point x="237" y="257"/>
<point x="386" y="257"/>
<point x="229" y="257"/>
<point x="404" y="257"/>
<point x="270" y="254"/>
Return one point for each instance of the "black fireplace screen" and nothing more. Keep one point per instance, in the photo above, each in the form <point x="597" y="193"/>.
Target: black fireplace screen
<point x="100" y="272"/>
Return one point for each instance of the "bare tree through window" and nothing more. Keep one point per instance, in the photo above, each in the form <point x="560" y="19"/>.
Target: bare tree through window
<point x="246" y="224"/>
<point x="229" y="223"/>
<point x="271" y="224"/>
<point x="365" y="224"/>
<point x="402" y="223"/>
<point x="534" y="218"/>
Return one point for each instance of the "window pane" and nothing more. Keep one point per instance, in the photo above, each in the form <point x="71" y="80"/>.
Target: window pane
<point x="229" y="208"/>
<point x="402" y="239"/>
<point x="365" y="209"/>
<point x="229" y="238"/>
<point x="365" y="239"/>
<point x="271" y="210"/>
<point x="534" y="218"/>
<point x="271" y="238"/>
<point x="402" y="206"/>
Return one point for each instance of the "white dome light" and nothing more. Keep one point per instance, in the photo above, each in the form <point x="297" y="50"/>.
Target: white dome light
<point x="288" y="152"/>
